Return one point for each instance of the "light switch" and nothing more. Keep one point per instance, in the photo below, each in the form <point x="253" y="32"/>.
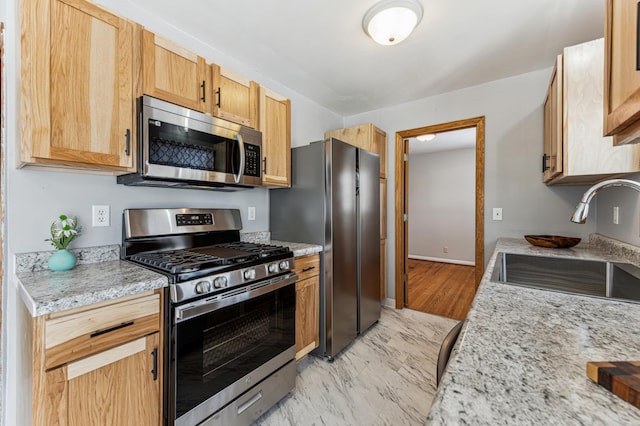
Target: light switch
<point x="497" y="213"/>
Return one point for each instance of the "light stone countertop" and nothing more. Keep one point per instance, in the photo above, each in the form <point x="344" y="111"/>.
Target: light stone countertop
<point x="298" y="249"/>
<point x="98" y="276"/>
<point x="521" y="357"/>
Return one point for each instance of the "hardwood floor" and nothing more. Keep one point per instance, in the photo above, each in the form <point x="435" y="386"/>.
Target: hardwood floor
<point x="443" y="289"/>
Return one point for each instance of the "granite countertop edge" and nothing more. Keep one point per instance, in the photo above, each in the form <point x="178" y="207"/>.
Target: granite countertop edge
<point x="99" y="276"/>
<point x="521" y="357"/>
<point x="298" y="249"/>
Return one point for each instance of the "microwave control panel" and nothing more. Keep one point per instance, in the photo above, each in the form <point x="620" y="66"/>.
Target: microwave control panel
<point x="251" y="160"/>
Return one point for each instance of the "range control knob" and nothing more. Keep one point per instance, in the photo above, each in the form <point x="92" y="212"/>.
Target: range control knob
<point x="203" y="287"/>
<point x="250" y="274"/>
<point x="220" y="282"/>
<point x="284" y="265"/>
<point x="273" y="268"/>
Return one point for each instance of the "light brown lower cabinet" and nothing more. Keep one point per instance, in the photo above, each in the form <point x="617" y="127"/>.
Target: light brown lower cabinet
<point x="113" y="387"/>
<point x="99" y="365"/>
<point x="307" y="304"/>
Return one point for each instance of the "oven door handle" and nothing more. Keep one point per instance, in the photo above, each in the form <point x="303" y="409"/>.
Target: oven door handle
<point x="240" y="141"/>
<point x="205" y="306"/>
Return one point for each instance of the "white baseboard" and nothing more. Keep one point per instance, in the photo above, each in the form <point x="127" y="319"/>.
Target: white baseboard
<point x="437" y="259"/>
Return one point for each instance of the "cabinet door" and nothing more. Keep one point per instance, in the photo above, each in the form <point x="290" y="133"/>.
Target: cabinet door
<point x="307" y="315"/>
<point x="622" y="77"/>
<point x="553" y="125"/>
<point x="235" y="97"/>
<point x="174" y="74"/>
<point x="275" y="125"/>
<point x="116" y="387"/>
<point x="365" y="136"/>
<point x="359" y="136"/>
<point x="77" y="78"/>
<point x="379" y="146"/>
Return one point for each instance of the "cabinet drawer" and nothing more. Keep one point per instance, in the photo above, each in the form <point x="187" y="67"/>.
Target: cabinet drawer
<point x="80" y="334"/>
<point x="307" y="266"/>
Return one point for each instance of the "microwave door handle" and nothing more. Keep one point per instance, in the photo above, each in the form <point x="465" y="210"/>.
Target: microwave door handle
<point x="238" y="177"/>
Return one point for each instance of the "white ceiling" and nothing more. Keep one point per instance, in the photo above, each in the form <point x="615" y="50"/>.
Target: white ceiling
<point x="445" y="141"/>
<point x="318" y="48"/>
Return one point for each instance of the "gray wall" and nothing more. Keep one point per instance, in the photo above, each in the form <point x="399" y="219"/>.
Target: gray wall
<point x="442" y="189"/>
<point x="628" y="229"/>
<point x="513" y="147"/>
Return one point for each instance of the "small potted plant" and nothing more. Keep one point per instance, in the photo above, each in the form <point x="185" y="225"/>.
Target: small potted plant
<point x="63" y="230"/>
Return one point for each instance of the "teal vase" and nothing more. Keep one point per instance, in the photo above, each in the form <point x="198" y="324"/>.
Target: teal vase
<point x="62" y="260"/>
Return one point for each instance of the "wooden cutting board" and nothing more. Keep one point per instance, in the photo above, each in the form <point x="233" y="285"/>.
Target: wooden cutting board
<point x="620" y="377"/>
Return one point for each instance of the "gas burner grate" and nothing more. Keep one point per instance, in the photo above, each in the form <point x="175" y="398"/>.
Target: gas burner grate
<point x="178" y="261"/>
<point x="209" y="257"/>
<point x="263" y="250"/>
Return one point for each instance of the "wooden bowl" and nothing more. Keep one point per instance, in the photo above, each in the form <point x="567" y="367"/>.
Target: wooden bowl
<point x="552" y="241"/>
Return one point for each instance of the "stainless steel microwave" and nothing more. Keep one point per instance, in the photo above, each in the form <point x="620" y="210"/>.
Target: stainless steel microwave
<point x="182" y="148"/>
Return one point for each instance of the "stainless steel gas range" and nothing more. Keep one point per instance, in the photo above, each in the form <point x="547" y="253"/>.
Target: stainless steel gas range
<point x="230" y="314"/>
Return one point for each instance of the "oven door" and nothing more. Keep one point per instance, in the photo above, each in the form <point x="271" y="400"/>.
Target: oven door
<point x="185" y="145"/>
<point x="224" y="345"/>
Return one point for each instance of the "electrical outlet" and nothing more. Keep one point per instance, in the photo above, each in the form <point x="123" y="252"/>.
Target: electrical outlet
<point x="445" y="249"/>
<point x="100" y="215"/>
<point x="497" y="213"/>
<point x="251" y="213"/>
<point x="616" y="215"/>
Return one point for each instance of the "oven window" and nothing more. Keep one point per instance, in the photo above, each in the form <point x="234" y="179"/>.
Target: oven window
<point x="175" y="146"/>
<point x="216" y="349"/>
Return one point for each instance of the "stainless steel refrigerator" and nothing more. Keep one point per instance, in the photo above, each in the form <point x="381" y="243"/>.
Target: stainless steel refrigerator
<point x="334" y="201"/>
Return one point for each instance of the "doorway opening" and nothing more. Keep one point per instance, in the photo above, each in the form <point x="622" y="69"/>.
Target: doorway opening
<point x="402" y="200"/>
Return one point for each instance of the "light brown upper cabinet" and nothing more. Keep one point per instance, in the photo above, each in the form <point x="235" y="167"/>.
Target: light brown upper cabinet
<point x="275" y="125"/>
<point x="235" y="98"/>
<point x="584" y="156"/>
<point x="365" y="136"/>
<point x="77" y="102"/>
<point x="622" y="74"/>
<point x="552" y="153"/>
<point x="174" y="74"/>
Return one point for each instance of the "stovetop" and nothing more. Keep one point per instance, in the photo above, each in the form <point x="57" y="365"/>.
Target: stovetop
<point x="200" y="261"/>
<point x="199" y="250"/>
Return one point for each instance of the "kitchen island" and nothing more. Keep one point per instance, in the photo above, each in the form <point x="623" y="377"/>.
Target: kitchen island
<point x="521" y="357"/>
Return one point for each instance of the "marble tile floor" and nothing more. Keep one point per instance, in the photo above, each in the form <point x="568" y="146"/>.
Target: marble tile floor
<point x="386" y="377"/>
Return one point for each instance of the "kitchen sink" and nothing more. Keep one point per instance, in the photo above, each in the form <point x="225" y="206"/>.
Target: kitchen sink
<point x="578" y="276"/>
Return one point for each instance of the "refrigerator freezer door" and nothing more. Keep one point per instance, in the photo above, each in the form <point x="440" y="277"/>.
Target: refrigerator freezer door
<point x="341" y="249"/>
<point x="369" y="239"/>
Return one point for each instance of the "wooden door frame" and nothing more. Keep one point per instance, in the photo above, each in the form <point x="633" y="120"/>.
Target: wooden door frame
<point x="401" y="198"/>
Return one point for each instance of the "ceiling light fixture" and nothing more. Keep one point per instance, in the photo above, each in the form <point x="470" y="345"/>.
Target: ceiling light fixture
<point x="426" y="138"/>
<point x="391" y="21"/>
